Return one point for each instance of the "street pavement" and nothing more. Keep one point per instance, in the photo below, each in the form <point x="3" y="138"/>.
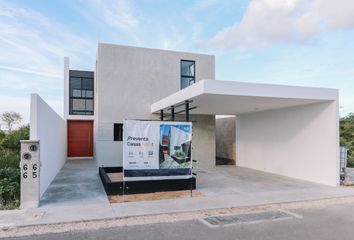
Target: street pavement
<point x="319" y="223"/>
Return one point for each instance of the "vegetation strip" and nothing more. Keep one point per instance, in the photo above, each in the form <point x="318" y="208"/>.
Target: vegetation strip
<point x="10" y="159"/>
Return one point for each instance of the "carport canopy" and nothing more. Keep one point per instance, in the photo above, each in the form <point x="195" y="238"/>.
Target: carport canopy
<point x="286" y="130"/>
<point x="215" y="97"/>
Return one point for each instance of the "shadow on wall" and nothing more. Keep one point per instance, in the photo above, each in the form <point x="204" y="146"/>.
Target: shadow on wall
<point x="225" y="137"/>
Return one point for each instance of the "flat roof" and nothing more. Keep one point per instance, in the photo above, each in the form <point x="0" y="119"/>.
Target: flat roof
<point x="231" y="98"/>
<point x="152" y="49"/>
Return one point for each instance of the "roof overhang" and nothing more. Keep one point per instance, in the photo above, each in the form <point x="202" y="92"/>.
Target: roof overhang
<point x="217" y="97"/>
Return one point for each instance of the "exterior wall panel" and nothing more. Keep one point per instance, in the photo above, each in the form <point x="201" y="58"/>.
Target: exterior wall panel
<point x="50" y="129"/>
<point x="129" y="80"/>
<point x="298" y="142"/>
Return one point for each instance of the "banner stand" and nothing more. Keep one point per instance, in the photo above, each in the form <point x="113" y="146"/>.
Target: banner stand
<point x="123" y="188"/>
<point x="193" y="175"/>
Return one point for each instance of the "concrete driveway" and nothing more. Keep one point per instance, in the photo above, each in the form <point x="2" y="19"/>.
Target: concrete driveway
<point x="77" y="183"/>
<point x="75" y="194"/>
<point x="231" y="186"/>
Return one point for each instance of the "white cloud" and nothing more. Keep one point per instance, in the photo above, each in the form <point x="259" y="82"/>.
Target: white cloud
<point x="32" y="49"/>
<point x="269" y="21"/>
<point x="30" y="42"/>
<point x="116" y="13"/>
<point x="23" y="70"/>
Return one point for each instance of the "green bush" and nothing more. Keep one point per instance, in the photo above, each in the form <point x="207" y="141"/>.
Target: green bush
<point x="9" y="166"/>
<point x="350" y="164"/>
<point x="9" y="159"/>
<point x="347" y="136"/>
<point x="9" y="185"/>
<point x="11" y="141"/>
<point x="2" y="135"/>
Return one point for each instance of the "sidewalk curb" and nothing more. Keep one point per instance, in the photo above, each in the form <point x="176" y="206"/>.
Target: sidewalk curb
<point x="60" y="227"/>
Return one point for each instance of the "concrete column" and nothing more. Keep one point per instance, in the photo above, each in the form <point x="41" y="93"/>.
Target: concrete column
<point x="225" y="138"/>
<point x="30" y="165"/>
<point x="66" y="87"/>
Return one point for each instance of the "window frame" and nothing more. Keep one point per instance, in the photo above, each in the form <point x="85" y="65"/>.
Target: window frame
<point x="71" y="97"/>
<point x="186" y="76"/>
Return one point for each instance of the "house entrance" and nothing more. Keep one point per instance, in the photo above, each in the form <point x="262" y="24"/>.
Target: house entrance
<point x="80" y="138"/>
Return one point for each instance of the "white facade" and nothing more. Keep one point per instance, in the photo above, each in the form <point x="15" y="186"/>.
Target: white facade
<point x="286" y="130"/>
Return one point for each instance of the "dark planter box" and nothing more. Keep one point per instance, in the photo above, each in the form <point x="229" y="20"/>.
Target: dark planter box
<point x="111" y="188"/>
<point x="133" y="187"/>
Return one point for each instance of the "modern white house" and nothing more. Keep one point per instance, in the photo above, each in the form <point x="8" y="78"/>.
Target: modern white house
<point x="287" y="130"/>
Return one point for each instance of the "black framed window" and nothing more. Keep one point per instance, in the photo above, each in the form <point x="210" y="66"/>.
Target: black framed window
<point x="187" y="73"/>
<point x="81" y="96"/>
<point x="118" y="132"/>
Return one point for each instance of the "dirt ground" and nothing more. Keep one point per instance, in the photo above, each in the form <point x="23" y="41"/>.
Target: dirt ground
<point x="118" y="177"/>
<point x="115" y="177"/>
<point x="153" y="196"/>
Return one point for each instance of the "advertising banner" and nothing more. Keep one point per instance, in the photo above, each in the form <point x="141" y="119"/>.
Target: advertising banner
<point x="156" y="150"/>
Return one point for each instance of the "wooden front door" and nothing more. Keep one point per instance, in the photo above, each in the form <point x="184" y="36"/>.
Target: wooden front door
<point x="80" y="138"/>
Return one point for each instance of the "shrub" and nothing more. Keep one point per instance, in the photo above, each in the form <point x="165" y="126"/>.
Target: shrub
<point x="347" y="136"/>
<point x="11" y="141"/>
<point x="9" y="185"/>
<point x="9" y="158"/>
<point x="350" y="164"/>
<point x="9" y="166"/>
<point x="2" y="135"/>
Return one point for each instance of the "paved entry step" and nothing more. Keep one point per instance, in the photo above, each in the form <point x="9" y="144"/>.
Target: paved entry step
<point x="247" y="218"/>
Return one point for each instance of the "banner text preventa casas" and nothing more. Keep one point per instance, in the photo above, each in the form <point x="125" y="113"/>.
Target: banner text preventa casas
<point x="136" y="141"/>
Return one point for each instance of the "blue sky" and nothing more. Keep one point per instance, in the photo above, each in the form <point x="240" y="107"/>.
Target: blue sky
<point x="294" y="42"/>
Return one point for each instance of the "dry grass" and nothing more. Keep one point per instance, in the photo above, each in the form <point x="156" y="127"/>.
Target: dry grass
<point x="153" y="196"/>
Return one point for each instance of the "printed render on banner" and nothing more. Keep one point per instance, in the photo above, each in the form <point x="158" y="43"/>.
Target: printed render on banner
<point x="157" y="150"/>
<point x="175" y="146"/>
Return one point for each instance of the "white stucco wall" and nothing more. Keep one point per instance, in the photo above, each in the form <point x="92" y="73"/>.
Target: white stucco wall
<point x="203" y="141"/>
<point x="50" y="129"/>
<point x="225" y="137"/>
<point x="299" y="142"/>
<point x="128" y="81"/>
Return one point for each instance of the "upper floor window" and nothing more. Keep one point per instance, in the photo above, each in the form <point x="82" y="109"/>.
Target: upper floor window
<point x="81" y="93"/>
<point x="187" y="73"/>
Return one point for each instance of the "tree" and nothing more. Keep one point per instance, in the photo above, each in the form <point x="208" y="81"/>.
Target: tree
<point x="347" y="136"/>
<point x="11" y="141"/>
<point x="10" y="119"/>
